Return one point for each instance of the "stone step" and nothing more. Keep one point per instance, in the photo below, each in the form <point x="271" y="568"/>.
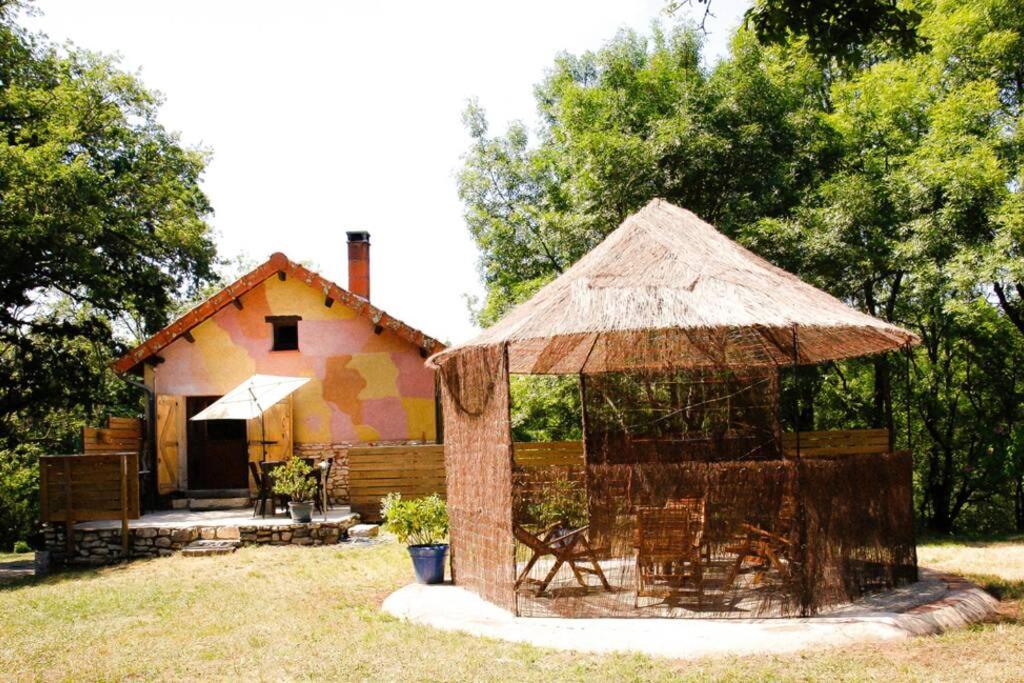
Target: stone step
<point x="216" y="493"/>
<point x="218" y="503"/>
<point x="203" y="548"/>
<point x="364" y="531"/>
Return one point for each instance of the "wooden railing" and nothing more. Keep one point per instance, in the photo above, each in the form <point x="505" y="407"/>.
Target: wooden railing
<point x="81" y="488"/>
<point x="837" y="443"/>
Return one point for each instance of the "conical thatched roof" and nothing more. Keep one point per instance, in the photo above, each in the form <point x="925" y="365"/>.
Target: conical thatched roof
<point x="666" y="289"/>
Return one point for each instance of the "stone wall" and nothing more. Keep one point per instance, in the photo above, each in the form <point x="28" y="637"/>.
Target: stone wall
<point x="337" y="484"/>
<point x="103" y="546"/>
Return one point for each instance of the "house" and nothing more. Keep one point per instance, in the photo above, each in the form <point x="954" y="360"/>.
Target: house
<point x="368" y="383"/>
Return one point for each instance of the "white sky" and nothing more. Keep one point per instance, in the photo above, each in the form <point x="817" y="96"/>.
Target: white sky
<point x="332" y="116"/>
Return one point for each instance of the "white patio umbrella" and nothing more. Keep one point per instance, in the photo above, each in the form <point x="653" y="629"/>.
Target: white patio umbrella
<point x="250" y="399"/>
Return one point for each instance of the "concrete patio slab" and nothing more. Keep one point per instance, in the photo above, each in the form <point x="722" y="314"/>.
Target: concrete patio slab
<point x="935" y="604"/>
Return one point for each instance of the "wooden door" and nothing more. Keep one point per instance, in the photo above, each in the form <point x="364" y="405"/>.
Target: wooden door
<point x="169" y="414"/>
<point x="217" y="456"/>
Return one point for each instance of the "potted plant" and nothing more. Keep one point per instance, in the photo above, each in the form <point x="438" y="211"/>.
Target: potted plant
<point x="295" y="480"/>
<point x="422" y="524"/>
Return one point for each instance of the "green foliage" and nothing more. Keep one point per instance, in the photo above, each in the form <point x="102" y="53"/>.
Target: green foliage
<point x="417" y="521"/>
<point x="545" y="408"/>
<point x="559" y="500"/>
<point x="102" y="218"/>
<point x="295" y="480"/>
<point x="19" y="493"/>
<point x="22" y="547"/>
<point x="836" y="28"/>
<point x="637" y="119"/>
<point x="832" y="29"/>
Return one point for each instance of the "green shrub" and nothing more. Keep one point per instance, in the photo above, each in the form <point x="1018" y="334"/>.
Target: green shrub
<point x="417" y="521"/>
<point x="22" y="547"/>
<point x="558" y="500"/>
<point x="294" y="479"/>
<point x="19" y="493"/>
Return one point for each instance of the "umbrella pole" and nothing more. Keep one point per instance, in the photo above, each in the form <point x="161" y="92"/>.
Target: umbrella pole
<point x="263" y="434"/>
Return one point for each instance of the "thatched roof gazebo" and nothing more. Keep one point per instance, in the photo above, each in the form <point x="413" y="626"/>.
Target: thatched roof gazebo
<point x="696" y="501"/>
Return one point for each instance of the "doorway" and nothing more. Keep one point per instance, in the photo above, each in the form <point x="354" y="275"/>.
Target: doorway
<point x="218" y="453"/>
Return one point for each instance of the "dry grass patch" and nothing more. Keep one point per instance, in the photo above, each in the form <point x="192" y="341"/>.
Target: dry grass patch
<point x="15" y="557"/>
<point x="313" y="613"/>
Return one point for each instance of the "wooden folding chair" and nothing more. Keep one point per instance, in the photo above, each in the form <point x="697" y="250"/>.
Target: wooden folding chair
<point x="762" y="550"/>
<point x="668" y="540"/>
<point x="570" y="548"/>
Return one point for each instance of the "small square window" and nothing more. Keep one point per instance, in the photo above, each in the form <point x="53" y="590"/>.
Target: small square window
<point x="286" y="331"/>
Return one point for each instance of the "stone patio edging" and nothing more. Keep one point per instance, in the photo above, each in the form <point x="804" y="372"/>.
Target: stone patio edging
<point x="451" y="608"/>
<point x="102" y="545"/>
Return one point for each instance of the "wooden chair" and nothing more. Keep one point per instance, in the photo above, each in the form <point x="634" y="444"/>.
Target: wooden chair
<point x="668" y="540"/>
<point x="567" y="547"/>
<point x="762" y="550"/>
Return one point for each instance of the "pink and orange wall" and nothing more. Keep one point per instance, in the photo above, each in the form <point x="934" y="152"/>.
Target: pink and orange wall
<point x="364" y="386"/>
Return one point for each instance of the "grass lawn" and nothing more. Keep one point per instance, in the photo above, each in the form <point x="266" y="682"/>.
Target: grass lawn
<point x="273" y="613"/>
<point x="15" y="557"/>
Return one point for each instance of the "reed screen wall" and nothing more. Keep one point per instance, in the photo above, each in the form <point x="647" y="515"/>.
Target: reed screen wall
<point x="478" y="462"/>
<point x="683" y="506"/>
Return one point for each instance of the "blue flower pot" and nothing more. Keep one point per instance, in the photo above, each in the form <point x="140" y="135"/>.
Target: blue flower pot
<point x="428" y="561"/>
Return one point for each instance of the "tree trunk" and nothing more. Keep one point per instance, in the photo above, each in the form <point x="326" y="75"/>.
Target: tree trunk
<point x="883" y="415"/>
<point x="1018" y="504"/>
<point x="940" y="521"/>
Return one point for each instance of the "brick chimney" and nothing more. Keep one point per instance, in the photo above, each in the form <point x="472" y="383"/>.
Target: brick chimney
<point x="359" y="264"/>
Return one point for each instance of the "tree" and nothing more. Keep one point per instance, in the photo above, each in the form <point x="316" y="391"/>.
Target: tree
<point x="833" y="29"/>
<point x="637" y="119"/>
<point x="916" y="208"/>
<point x="102" y="218"/>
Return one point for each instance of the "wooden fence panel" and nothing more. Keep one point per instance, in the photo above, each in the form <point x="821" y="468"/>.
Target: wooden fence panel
<point x="548" y="453"/>
<point x="83" y="488"/>
<point x="416" y="471"/>
<point x="374" y="472"/>
<point x="121" y="434"/>
<point x="838" y="442"/>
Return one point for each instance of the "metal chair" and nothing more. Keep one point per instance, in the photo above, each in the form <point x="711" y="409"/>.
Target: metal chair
<point x="266" y="487"/>
<point x="262" y="491"/>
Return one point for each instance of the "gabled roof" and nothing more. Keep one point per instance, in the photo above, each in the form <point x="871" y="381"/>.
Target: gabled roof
<point x="277" y="263"/>
<point x="666" y="288"/>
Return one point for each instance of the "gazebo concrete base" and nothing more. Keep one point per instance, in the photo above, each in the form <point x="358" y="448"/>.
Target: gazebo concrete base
<point x="935" y="604"/>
